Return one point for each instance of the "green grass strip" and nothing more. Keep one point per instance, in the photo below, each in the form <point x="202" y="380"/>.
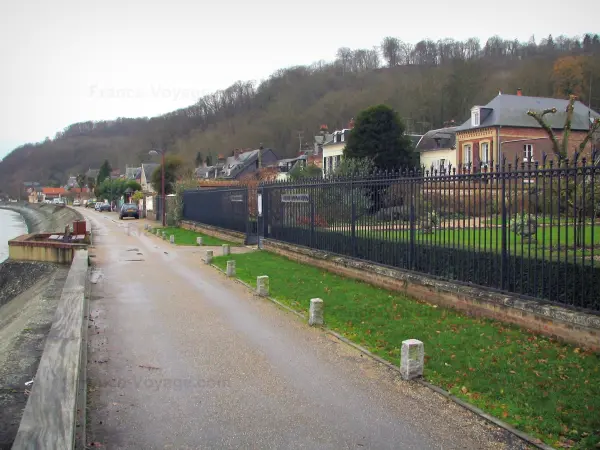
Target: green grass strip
<point x="188" y="237"/>
<point x="543" y="387"/>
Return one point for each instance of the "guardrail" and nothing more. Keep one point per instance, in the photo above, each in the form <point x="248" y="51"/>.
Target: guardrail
<point x="49" y="419"/>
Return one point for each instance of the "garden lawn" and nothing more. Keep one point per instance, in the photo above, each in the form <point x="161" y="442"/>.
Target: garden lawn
<point x="188" y="237"/>
<point x="545" y="388"/>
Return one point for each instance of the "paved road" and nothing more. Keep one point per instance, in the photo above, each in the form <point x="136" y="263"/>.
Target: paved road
<point x="182" y="358"/>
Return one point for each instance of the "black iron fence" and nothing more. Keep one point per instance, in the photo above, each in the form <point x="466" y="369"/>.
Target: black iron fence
<point x="527" y="228"/>
<point x="221" y="207"/>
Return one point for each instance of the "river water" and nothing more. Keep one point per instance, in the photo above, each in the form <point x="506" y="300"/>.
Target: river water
<point x="11" y="226"/>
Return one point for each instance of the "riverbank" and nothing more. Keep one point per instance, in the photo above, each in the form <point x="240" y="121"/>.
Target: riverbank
<point x="29" y="293"/>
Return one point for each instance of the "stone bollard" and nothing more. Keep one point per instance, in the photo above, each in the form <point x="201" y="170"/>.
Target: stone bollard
<point x="172" y="239"/>
<point x="412" y="358"/>
<point x="208" y="257"/>
<point x="145" y="226"/>
<point x="149" y="228"/>
<point x="231" y="268"/>
<point x="164" y="236"/>
<point x="262" y="285"/>
<point x="226" y="249"/>
<point x="315" y="313"/>
<point x="199" y="241"/>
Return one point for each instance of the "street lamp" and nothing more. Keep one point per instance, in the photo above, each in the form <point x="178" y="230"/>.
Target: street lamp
<point x="162" y="183"/>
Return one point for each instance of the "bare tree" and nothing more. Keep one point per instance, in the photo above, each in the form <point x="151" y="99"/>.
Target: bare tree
<point x="390" y="47"/>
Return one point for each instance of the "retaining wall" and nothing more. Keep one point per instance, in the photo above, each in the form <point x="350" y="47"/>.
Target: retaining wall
<point x="49" y="419"/>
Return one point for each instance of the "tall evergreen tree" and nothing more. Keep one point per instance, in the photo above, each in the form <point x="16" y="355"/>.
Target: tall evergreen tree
<point x="379" y="135"/>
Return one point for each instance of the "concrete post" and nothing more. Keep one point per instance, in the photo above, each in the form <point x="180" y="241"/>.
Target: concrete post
<point x="231" y="268"/>
<point x="208" y="257"/>
<point x="149" y="228"/>
<point x="145" y="226"/>
<point x="164" y="236"/>
<point x="199" y="241"/>
<point x="262" y="285"/>
<point x="412" y="357"/>
<point x="315" y="313"/>
<point x="172" y="239"/>
<point x="226" y="249"/>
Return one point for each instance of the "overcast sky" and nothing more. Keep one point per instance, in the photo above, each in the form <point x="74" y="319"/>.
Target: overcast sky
<point x="69" y="60"/>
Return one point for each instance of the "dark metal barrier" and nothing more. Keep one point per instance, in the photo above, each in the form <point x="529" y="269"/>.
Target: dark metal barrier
<point x="526" y="228"/>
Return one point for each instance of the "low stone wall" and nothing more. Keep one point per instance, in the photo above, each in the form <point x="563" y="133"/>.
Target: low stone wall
<point x="44" y="217"/>
<point x="36" y="247"/>
<point x="49" y="419"/>
<point x="568" y="325"/>
<point x="220" y="233"/>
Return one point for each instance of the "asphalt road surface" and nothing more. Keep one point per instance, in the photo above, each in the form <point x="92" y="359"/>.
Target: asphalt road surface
<point x="182" y="358"/>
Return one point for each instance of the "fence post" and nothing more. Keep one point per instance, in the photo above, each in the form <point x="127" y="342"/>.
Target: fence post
<point x="353" y="219"/>
<point x="411" y="252"/>
<point x="504" y="237"/>
<point x="312" y="217"/>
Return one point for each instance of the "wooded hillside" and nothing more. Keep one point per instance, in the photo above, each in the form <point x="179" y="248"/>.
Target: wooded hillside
<point x="428" y="84"/>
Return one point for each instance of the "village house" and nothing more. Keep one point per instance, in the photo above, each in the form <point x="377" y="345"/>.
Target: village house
<point x="146" y="177"/>
<point x="437" y="150"/>
<point x="502" y="129"/>
<point x="240" y="164"/>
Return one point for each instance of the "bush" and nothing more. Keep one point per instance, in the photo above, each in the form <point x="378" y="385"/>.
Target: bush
<point x="524" y="225"/>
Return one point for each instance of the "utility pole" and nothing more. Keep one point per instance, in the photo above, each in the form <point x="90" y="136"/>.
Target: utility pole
<point x="260" y="149"/>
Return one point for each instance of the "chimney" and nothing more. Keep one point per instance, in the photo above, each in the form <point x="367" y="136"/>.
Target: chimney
<point x="519" y="92"/>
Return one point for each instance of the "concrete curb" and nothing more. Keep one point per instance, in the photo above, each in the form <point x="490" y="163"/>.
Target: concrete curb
<point x="482" y="414"/>
<point x="50" y="417"/>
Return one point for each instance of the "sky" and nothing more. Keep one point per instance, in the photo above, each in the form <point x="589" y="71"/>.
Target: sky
<point x="69" y="61"/>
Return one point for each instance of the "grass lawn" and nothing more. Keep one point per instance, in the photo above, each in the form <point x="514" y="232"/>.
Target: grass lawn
<point x="545" y="388"/>
<point x="188" y="237"/>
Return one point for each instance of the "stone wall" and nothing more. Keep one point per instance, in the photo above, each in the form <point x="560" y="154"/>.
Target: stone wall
<point x="220" y="233"/>
<point x="568" y="325"/>
<point x="44" y="217"/>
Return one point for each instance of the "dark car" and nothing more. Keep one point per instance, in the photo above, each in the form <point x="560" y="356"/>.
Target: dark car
<point x="129" y="210"/>
<point x="104" y="207"/>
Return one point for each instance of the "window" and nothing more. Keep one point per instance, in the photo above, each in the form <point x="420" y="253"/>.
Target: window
<point x="485" y="153"/>
<point x="467" y="155"/>
<point x="475" y="117"/>
<point x="528" y="152"/>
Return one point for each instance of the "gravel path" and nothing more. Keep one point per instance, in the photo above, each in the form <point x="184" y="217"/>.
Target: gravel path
<point x="182" y="358"/>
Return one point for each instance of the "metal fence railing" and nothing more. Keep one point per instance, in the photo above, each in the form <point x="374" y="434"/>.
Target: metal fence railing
<point x="221" y="207"/>
<point x="526" y="228"/>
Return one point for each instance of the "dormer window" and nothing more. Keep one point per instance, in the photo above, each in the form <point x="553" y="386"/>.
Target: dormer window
<point x="475" y="117"/>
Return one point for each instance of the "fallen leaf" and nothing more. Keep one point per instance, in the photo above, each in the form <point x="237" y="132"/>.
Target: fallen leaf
<point x="505" y="414"/>
<point x="464" y="390"/>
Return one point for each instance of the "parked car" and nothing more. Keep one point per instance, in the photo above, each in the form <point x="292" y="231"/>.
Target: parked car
<point x="104" y="207"/>
<point x="76" y="203"/>
<point x="90" y="204"/>
<point x="59" y="202"/>
<point x="129" y="210"/>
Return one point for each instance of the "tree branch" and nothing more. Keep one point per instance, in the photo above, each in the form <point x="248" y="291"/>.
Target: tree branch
<point x="595" y="127"/>
<point x="567" y="128"/>
<point x="539" y="117"/>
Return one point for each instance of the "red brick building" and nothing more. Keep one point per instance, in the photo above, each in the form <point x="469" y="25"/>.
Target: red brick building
<point x="502" y="129"/>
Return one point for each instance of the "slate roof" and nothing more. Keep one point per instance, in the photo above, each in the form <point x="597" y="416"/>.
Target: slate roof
<point x="148" y="169"/>
<point x="442" y="138"/>
<point x="511" y="111"/>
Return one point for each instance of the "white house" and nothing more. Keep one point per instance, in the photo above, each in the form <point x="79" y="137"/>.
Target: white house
<point x="333" y="151"/>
